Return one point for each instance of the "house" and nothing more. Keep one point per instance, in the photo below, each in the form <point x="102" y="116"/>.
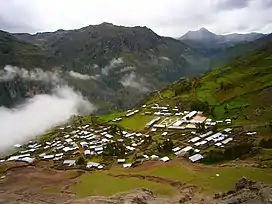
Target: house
<point x="87" y="152"/>
<point x="27" y="159"/>
<point x="165" y="159"/>
<point x="154" y="157"/>
<point x="146" y="157"/>
<point x="186" y="149"/>
<point x="127" y="165"/>
<point x="69" y="162"/>
<point x="164" y="133"/>
<point x="227" y="140"/>
<point x="206" y="134"/>
<point x="121" y="160"/>
<point x="196" y="157"/>
<point x="195" y="139"/>
<point x="196" y="150"/>
<point x="152" y="122"/>
<point x="176" y="149"/>
<point x="130" y="148"/>
<point x="158" y="126"/>
<point x="49" y="156"/>
<point x="92" y="164"/>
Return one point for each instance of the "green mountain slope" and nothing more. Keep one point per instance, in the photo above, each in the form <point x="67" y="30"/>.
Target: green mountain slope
<point x="241" y="91"/>
<point x="121" y="64"/>
<point x="19" y="53"/>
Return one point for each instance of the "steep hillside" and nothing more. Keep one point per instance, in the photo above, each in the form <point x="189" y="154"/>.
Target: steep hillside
<point x="241" y="91"/>
<point x="116" y="66"/>
<point x="16" y="52"/>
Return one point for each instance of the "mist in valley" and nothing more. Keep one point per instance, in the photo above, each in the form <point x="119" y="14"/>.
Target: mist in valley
<point x="40" y="113"/>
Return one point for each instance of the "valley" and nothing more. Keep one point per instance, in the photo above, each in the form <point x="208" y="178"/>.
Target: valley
<point x="171" y="120"/>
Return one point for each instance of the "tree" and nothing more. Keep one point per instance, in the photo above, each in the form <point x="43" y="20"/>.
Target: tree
<point x="226" y="108"/>
<point x="166" y="146"/>
<point x="81" y="161"/>
<point x="200" y="127"/>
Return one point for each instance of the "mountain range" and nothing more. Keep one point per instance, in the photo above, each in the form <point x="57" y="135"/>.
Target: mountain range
<point x="203" y="38"/>
<point x="114" y="66"/>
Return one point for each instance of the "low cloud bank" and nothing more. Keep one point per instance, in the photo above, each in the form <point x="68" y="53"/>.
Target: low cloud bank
<point x="42" y="112"/>
<point x="10" y="72"/>
<point x="39" y="114"/>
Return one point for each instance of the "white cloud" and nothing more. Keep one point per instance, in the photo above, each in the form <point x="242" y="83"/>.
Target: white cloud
<point x="165" y="58"/>
<point x="39" y="114"/>
<point x="10" y="72"/>
<point x="112" y="64"/>
<point x="127" y="69"/>
<point x="79" y="75"/>
<point x="171" y="18"/>
<point x="131" y="80"/>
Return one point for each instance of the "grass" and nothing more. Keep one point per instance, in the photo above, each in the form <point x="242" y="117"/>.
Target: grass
<point x="51" y="189"/>
<point x="111" y="116"/>
<point x="99" y="183"/>
<point x="205" y="176"/>
<point x="136" y="122"/>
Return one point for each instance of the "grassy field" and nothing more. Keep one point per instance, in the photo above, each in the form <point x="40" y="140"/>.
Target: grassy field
<point x="204" y="177"/>
<point x="111" y="116"/>
<point x="136" y="122"/>
<point x="99" y="183"/>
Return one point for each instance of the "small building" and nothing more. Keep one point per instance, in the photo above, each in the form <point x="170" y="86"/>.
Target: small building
<point x="165" y="159"/>
<point x="196" y="157"/>
<point x="164" y="133"/>
<point x="127" y="165"/>
<point x="154" y="157"/>
<point x="176" y="149"/>
<point x="92" y="164"/>
<point x="121" y="160"/>
<point x="28" y="159"/>
<point x="69" y="162"/>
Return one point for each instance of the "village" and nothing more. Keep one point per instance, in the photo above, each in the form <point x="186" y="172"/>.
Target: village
<point x="189" y="134"/>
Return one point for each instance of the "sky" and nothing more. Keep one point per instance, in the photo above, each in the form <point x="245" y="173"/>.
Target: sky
<point x="166" y="17"/>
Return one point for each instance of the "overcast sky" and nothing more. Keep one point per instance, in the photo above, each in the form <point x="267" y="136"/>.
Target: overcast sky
<point x="165" y="17"/>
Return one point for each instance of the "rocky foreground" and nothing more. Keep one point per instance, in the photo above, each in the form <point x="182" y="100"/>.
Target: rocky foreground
<point x="245" y="191"/>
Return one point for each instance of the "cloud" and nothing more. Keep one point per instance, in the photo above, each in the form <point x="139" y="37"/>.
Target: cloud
<point x="232" y="4"/>
<point x="79" y="75"/>
<point x="168" y="18"/>
<point x="112" y="64"/>
<point x="42" y="112"/>
<point x="10" y="72"/>
<point x="131" y="80"/>
<point x="127" y="69"/>
<point x="165" y="58"/>
<point x="39" y="114"/>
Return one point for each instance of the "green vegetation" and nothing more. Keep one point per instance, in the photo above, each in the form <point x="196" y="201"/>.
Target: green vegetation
<point x="99" y="183"/>
<point x="136" y="122"/>
<point x="204" y="176"/>
<point x="241" y="91"/>
<point x="51" y="189"/>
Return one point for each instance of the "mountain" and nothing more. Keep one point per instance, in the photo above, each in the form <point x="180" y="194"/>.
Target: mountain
<point x="240" y="90"/>
<point x="14" y="51"/>
<point x="113" y="66"/>
<point x="209" y="43"/>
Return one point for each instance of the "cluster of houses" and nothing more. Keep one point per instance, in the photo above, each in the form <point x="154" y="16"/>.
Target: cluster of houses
<point x="92" y="142"/>
<point x="84" y="140"/>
